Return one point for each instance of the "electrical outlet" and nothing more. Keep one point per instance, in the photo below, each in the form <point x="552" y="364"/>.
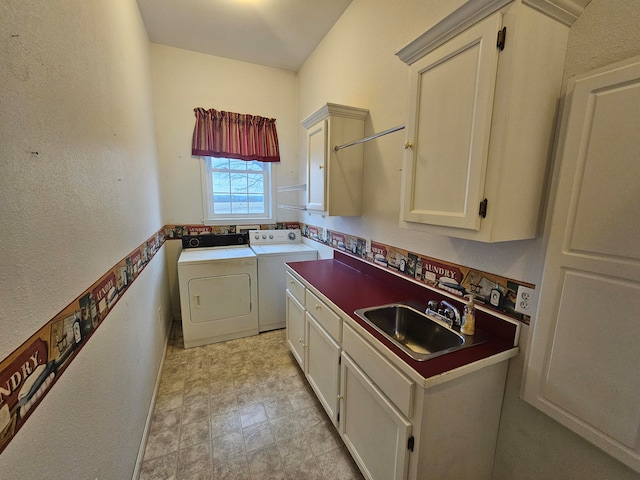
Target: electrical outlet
<point x="526" y="300"/>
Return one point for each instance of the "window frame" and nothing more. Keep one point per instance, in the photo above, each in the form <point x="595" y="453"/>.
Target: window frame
<point x="211" y="218"/>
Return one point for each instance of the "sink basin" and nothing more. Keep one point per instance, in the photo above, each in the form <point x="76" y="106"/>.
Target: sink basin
<point x="419" y="335"/>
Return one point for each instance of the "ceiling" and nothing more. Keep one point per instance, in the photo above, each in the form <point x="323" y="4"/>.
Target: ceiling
<point x="276" y="33"/>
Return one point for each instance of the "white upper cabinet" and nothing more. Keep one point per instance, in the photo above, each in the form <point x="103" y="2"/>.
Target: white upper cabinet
<point x="334" y="178"/>
<point x="482" y="103"/>
<point x="452" y="101"/>
<point x="316" y="167"/>
<point x="583" y="354"/>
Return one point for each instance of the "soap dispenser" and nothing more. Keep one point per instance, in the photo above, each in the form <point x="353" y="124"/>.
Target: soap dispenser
<point x="469" y="325"/>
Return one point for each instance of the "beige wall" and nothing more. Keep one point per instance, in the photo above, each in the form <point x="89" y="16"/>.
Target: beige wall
<point x="76" y="87"/>
<point x="355" y="65"/>
<point x="184" y="80"/>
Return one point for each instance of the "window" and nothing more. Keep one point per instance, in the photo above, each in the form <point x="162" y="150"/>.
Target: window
<point x="236" y="190"/>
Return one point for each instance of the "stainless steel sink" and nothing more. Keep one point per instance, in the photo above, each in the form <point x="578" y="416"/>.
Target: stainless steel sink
<point x="421" y="336"/>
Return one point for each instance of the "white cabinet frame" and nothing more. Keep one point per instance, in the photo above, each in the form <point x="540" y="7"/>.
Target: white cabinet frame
<point x="373" y="430"/>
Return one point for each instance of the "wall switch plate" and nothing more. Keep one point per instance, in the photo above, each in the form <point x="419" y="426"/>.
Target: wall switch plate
<point x="526" y="300"/>
<point x="495" y="297"/>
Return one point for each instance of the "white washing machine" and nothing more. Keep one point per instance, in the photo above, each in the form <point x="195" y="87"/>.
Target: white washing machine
<point x="218" y="282"/>
<point x="275" y="248"/>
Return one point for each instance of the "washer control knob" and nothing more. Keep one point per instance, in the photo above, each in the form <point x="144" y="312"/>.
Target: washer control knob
<point x="257" y="236"/>
<point x="194" y="242"/>
<point x="264" y="237"/>
<point x="292" y="236"/>
<point x="270" y="237"/>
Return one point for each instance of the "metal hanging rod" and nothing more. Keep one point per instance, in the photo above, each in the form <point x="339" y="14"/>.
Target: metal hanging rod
<point x="366" y="139"/>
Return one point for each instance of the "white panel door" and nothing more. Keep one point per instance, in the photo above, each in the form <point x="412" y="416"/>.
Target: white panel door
<point x="584" y="351"/>
<point x="323" y="367"/>
<point x="316" y="182"/>
<point x="450" y="111"/>
<point x="295" y="328"/>
<point x="373" y="430"/>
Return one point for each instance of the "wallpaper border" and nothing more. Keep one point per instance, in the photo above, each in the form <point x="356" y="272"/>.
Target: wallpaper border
<point x="31" y="370"/>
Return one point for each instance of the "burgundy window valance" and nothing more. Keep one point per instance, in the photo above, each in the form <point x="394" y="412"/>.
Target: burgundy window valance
<point x="235" y="135"/>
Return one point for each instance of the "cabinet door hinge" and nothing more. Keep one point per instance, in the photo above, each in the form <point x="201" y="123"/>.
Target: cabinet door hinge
<point x="411" y="442"/>
<point x="338" y="419"/>
<point x="482" y="211"/>
<point x="340" y="360"/>
<point x="502" y="37"/>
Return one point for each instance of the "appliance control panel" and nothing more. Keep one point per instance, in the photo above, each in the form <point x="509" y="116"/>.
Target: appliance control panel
<point x="214" y="240"/>
<point x="270" y="237"/>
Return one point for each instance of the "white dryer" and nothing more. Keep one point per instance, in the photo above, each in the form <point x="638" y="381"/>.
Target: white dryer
<point x="217" y="276"/>
<point x="275" y="248"/>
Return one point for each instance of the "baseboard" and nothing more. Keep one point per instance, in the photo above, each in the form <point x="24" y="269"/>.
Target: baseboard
<point x="147" y="425"/>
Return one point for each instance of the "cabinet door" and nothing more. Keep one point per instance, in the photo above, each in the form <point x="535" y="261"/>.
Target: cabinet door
<point x="373" y="430"/>
<point x="317" y="154"/>
<point x="295" y="328"/>
<point x="450" y="108"/>
<point x="583" y="360"/>
<point x="323" y="367"/>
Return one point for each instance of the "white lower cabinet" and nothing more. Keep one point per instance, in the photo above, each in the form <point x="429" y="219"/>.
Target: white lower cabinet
<point x="396" y="424"/>
<point x="397" y="427"/>
<point x="373" y="430"/>
<point x="323" y="367"/>
<point x="295" y="328"/>
<point x="313" y="336"/>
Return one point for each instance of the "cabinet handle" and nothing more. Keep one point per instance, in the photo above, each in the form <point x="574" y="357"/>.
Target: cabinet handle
<point x="408" y="145"/>
<point x="320" y="167"/>
<point x="318" y="307"/>
<point x="340" y="397"/>
<point x="196" y="301"/>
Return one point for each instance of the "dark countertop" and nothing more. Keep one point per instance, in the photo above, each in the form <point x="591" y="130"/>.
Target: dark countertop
<point x="351" y="283"/>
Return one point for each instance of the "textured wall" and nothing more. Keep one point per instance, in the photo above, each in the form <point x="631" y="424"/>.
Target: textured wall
<point x="605" y="33"/>
<point x="78" y="192"/>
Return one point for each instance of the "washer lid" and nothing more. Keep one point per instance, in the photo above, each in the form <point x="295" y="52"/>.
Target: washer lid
<point x="213" y="254"/>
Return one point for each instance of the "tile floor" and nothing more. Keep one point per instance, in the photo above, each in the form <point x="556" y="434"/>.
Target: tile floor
<point x="240" y="410"/>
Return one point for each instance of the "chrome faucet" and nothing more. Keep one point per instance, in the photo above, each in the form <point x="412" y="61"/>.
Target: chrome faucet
<point x="445" y="311"/>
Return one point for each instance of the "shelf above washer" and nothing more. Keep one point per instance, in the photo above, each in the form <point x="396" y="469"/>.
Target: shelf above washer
<point x="293" y="188"/>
